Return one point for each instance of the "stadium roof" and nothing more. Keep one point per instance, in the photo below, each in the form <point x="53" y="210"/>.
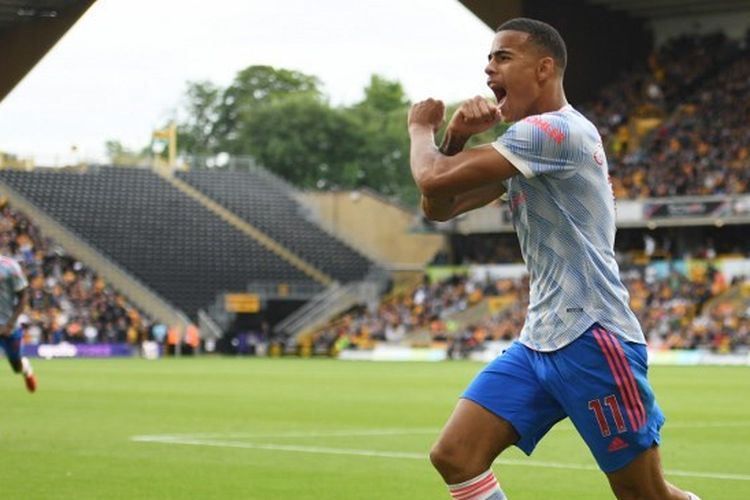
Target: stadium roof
<point x="661" y="9"/>
<point x="15" y="12"/>
<point x="28" y="29"/>
<point x="492" y="11"/>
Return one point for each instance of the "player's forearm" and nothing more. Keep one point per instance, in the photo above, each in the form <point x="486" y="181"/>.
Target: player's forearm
<point x="438" y="209"/>
<point x="453" y="143"/>
<point x="423" y="156"/>
<point x="429" y="166"/>
<point x="477" y="198"/>
<point x="445" y="208"/>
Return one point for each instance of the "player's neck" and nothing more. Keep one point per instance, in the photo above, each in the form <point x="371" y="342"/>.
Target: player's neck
<point x="554" y="100"/>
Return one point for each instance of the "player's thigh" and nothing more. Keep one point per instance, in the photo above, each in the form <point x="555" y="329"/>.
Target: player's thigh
<point x="606" y="393"/>
<point x="473" y="437"/>
<point x="642" y="478"/>
<point x="11" y="344"/>
<point x="505" y="404"/>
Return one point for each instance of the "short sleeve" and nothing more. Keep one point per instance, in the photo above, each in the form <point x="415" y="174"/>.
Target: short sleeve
<point x="538" y="145"/>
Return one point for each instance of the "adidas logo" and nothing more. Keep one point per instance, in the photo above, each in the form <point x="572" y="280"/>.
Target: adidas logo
<point x="617" y="444"/>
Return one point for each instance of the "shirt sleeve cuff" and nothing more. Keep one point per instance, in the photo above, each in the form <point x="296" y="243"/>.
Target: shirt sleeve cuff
<point x="515" y="160"/>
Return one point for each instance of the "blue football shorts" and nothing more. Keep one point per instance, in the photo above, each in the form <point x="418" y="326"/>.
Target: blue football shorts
<point x="599" y="381"/>
<point x="11" y="344"/>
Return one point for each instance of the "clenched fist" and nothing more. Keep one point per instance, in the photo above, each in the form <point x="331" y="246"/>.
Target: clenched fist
<point x="474" y="117"/>
<point x="427" y="113"/>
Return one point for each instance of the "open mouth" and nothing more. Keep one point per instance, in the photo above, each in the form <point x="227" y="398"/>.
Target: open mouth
<point x="499" y="91"/>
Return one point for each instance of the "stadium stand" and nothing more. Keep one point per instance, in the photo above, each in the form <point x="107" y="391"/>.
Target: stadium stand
<point x="399" y="315"/>
<point x="67" y="300"/>
<point x="673" y="312"/>
<point x="170" y="242"/>
<point x="700" y="84"/>
<point x="268" y="205"/>
<point x="658" y="85"/>
<point x="702" y="149"/>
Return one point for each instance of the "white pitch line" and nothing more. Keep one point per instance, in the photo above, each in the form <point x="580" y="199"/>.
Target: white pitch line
<point x="279" y="447"/>
<point x="706" y="425"/>
<point x="311" y="434"/>
<point x="566" y="426"/>
<point x="403" y="454"/>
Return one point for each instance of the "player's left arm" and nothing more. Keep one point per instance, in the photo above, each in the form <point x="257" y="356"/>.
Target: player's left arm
<point x="446" y="208"/>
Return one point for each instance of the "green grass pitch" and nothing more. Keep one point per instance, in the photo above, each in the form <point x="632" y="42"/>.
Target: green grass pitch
<point x="318" y="429"/>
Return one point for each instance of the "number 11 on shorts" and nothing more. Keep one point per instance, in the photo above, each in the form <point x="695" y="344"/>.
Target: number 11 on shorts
<point x="598" y="408"/>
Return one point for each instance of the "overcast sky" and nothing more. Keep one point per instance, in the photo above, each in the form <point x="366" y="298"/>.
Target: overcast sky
<point x="121" y="70"/>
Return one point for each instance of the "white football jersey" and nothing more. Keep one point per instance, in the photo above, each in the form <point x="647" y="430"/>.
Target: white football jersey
<point x="12" y="281"/>
<point x="564" y="214"/>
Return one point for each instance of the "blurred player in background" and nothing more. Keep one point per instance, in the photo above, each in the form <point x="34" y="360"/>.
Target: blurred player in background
<point x="13" y="297"/>
<point x="581" y="353"/>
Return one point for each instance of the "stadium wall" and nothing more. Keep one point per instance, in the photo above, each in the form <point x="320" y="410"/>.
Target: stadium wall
<point x="734" y="25"/>
<point x="647" y="213"/>
<point x="390" y="353"/>
<point x="730" y="267"/>
<point x="376" y="227"/>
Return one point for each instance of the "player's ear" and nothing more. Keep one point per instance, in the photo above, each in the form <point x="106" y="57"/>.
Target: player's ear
<point x="546" y="68"/>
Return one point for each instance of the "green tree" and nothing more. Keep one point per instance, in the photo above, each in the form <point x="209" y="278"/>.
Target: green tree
<point x="214" y="116"/>
<point x="197" y="133"/>
<point x="380" y="121"/>
<point x="252" y="87"/>
<point x="383" y="95"/>
<point x="301" y="138"/>
<point x="118" y="154"/>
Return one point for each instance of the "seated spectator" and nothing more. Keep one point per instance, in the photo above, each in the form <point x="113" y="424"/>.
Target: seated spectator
<point x="702" y="146"/>
<point x="67" y="300"/>
<point x="670" y="310"/>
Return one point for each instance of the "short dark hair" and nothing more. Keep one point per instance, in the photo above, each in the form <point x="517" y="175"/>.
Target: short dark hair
<point x="542" y="35"/>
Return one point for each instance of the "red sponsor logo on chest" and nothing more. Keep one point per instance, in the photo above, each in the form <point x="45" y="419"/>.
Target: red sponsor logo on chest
<point x="550" y="130"/>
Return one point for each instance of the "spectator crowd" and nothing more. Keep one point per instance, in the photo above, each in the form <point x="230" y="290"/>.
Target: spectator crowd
<point x="692" y="97"/>
<point x="67" y="300"/>
<point x="673" y="312"/>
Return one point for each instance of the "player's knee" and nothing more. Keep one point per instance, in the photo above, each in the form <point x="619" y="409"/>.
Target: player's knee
<point x="445" y="458"/>
<point x="439" y="456"/>
<point x="455" y="463"/>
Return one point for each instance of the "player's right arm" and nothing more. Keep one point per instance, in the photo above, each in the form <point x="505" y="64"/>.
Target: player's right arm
<point x="472" y="117"/>
<point x="462" y="180"/>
